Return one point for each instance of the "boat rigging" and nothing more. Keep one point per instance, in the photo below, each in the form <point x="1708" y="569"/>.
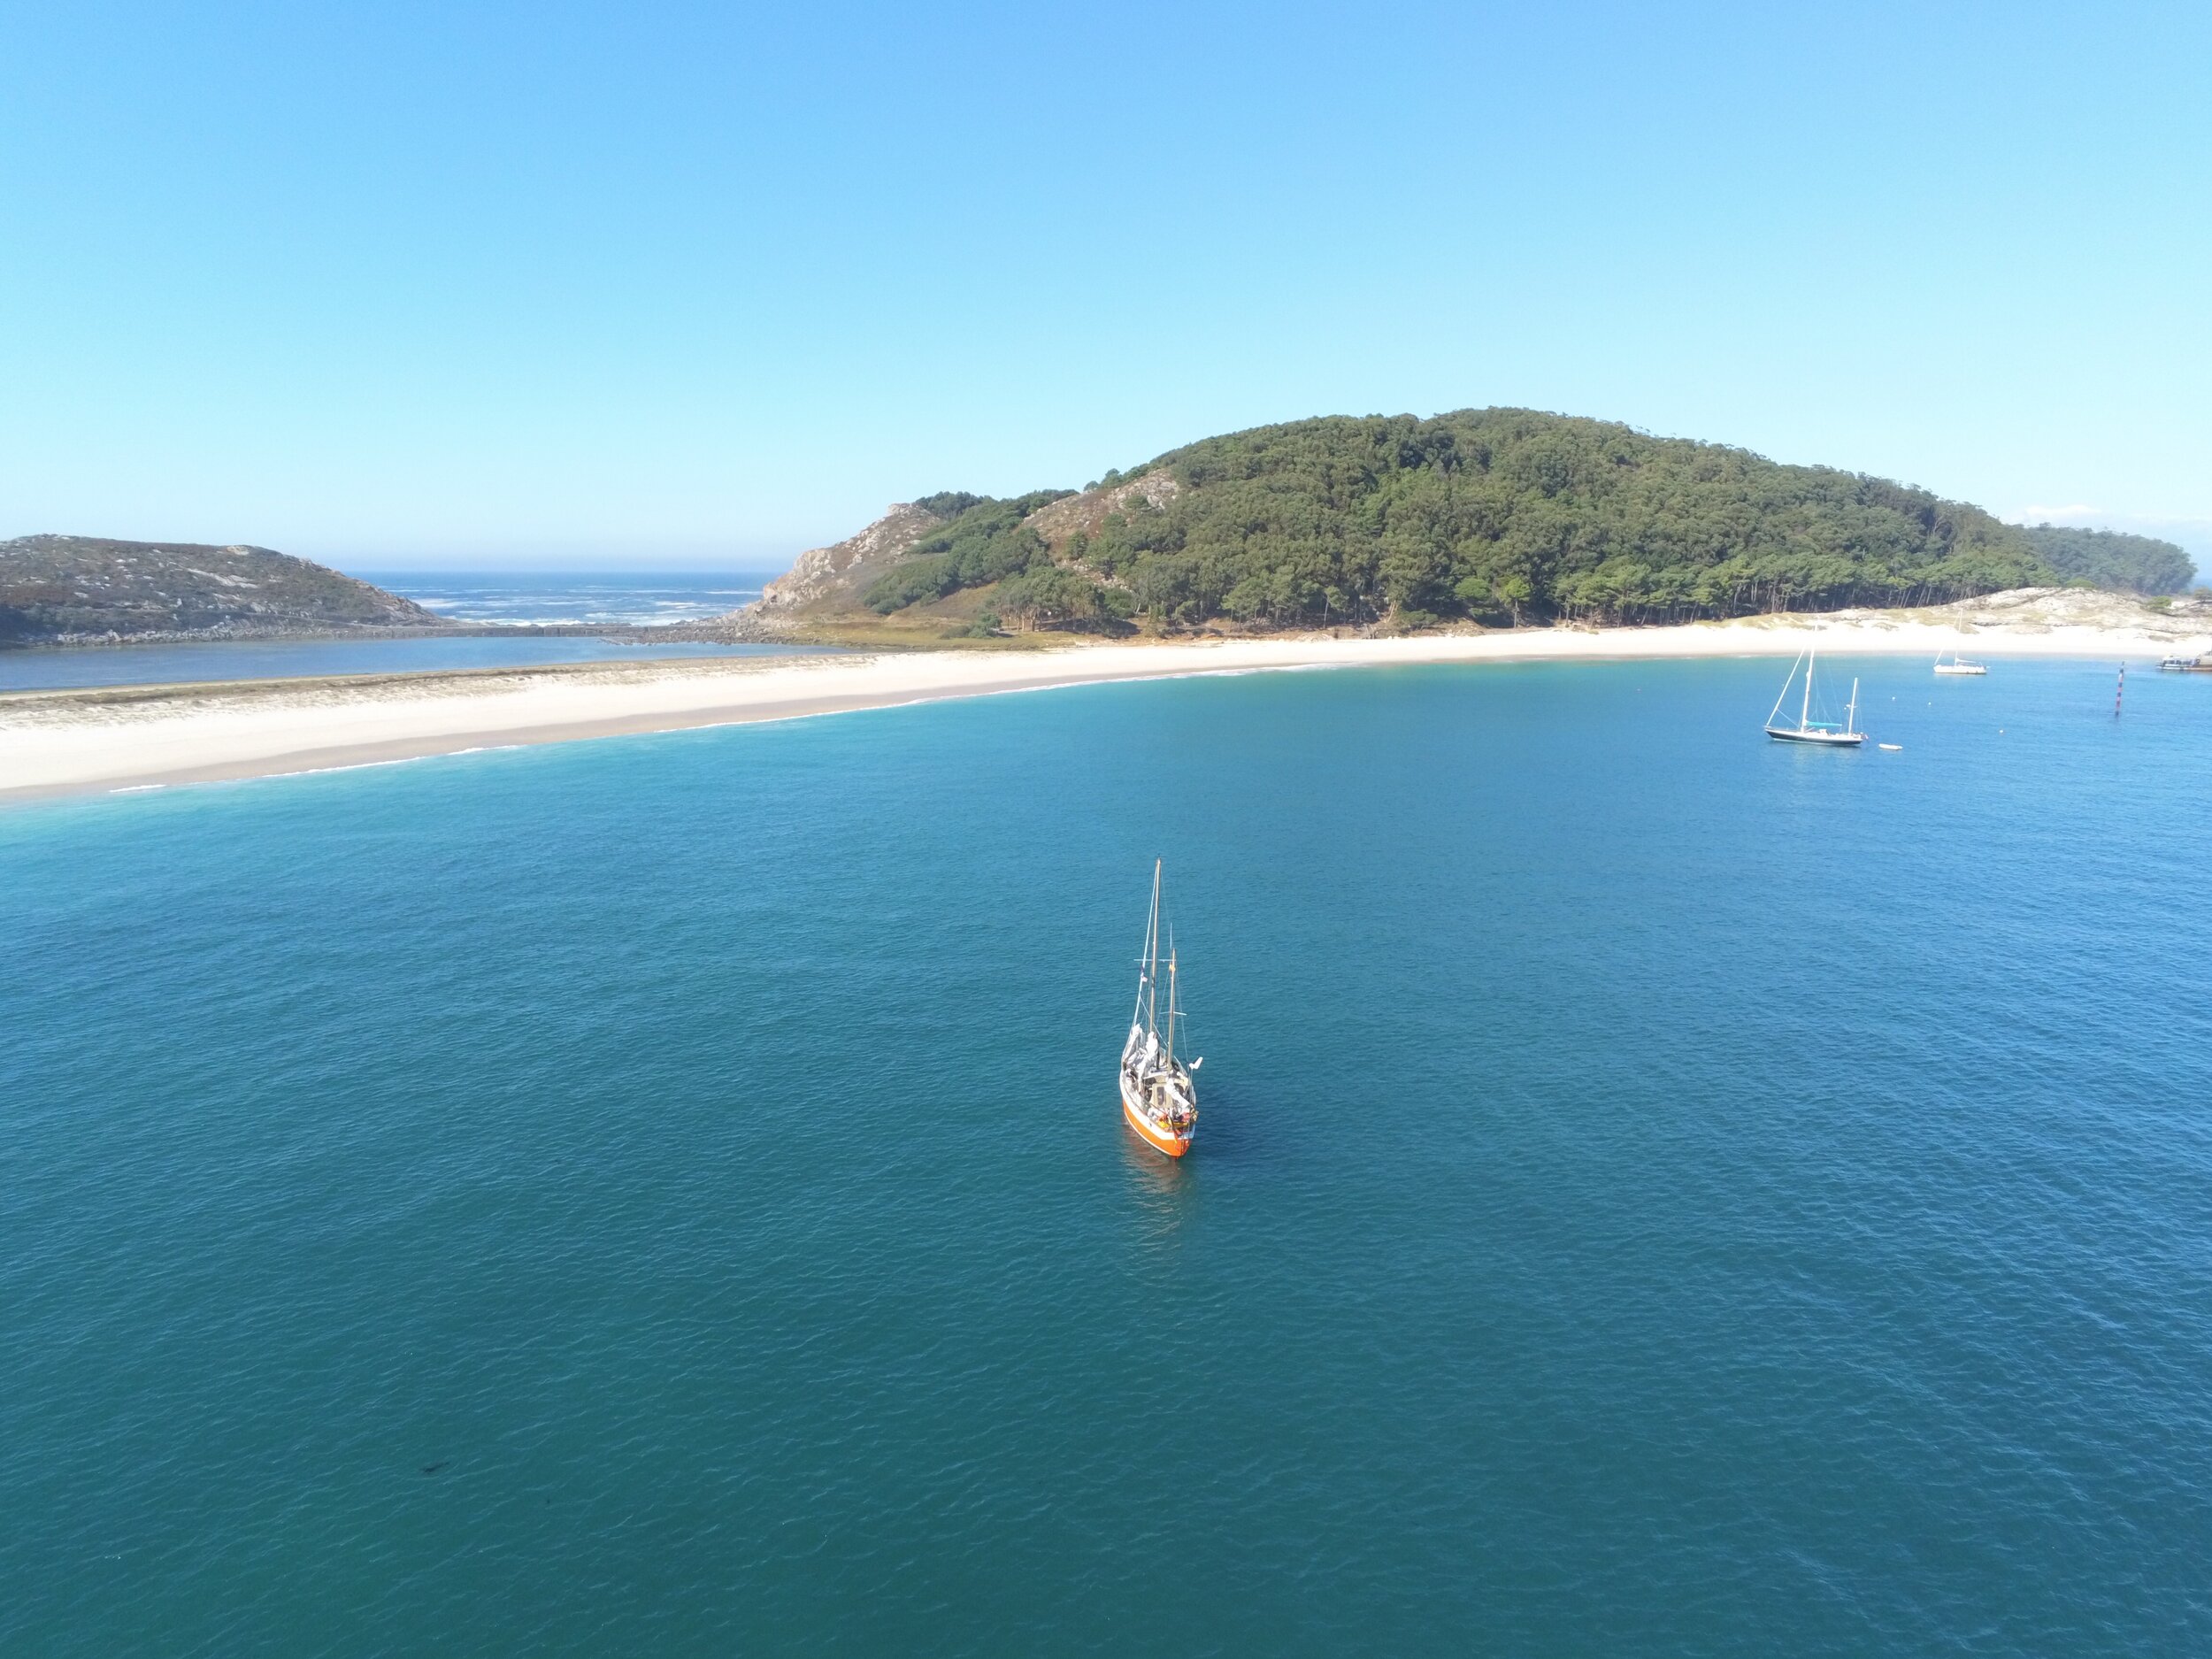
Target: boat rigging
<point x="1159" y="1094"/>
<point x="1807" y="730"/>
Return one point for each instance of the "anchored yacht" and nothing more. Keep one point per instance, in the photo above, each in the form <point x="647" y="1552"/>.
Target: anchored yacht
<point x="1808" y="730"/>
<point x="1158" y="1096"/>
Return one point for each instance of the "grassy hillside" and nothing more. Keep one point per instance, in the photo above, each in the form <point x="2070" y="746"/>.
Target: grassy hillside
<point x="73" y="586"/>
<point x="2106" y="558"/>
<point x="1499" y="515"/>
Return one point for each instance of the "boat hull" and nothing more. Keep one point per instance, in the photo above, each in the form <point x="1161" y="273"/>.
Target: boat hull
<point x="1162" y="1141"/>
<point x="1825" y="740"/>
<point x="1943" y="669"/>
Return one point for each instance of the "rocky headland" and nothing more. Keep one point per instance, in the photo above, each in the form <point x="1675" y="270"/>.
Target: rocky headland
<point x="75" y="589"/>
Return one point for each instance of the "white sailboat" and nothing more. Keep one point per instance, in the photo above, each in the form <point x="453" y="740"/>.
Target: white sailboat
<point x="1159" y="1097"/>
<point x="1808" y="730"/>
<point x="1959" y="665"/>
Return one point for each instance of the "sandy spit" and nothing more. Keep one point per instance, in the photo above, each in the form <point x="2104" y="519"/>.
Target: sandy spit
<point x="80" y="741"/>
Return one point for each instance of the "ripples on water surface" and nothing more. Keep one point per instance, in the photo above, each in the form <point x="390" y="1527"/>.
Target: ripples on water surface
<point x="1657" y="1191"/>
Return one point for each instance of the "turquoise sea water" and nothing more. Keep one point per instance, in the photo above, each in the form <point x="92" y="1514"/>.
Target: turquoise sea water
<point x="1657" y="1192"/>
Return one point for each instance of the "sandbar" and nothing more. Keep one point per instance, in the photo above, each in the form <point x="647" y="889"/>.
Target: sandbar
<point x="90" y="741"/>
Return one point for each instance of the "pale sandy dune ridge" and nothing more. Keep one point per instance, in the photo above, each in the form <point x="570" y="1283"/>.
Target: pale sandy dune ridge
<point x="70" y="742"/>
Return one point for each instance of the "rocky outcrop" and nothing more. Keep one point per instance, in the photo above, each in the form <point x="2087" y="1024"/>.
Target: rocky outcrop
<point x="60" y="588"/>
<point x="828" y="580"/>
<point x="824" y="573"/>
<point x="1088" y="511"/>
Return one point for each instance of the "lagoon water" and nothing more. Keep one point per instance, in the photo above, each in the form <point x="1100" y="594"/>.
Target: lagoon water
<point x="492" y="599"/>
<point x="1657" y="1191"/>
<point x="199" y="661"/>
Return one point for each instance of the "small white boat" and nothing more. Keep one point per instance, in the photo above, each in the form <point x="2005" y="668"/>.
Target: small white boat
<point x="1959" y="665"/>
<point x="1894" y="748"/>
<point x="1807" y="730"/>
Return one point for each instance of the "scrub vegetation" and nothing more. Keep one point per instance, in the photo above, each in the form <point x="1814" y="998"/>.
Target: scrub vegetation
<point x="64" y="587"/>
<point x="1501" y="516"/>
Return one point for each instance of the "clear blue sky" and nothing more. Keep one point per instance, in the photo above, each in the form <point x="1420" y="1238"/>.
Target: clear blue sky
<point x="679" y="284"/>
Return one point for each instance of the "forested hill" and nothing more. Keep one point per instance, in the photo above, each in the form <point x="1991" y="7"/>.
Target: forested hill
<point x="75" y="587"/>
<point x="1499" y="514"/>
<point x="2106" y="558"/>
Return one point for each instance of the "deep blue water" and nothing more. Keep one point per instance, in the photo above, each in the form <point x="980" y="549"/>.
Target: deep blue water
<point x="1657" y="1192"/>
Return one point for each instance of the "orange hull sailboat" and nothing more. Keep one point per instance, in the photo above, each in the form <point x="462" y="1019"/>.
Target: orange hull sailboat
<point x="1158" y="1096"/>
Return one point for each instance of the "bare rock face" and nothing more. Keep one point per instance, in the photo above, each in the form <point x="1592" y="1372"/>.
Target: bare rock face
<point x="826" y="582"/>
<point x="63" y="588"/>
<point x="1088" y="511"/>
<point x="825" y="572"/>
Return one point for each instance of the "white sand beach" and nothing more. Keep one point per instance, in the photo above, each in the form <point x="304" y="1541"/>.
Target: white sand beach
<point x="121" y="738"/>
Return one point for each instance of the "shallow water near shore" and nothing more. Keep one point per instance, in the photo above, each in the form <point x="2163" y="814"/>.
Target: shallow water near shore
<point x="1656" y="1190"/>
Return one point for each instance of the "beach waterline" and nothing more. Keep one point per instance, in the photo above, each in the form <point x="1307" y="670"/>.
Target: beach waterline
<point x="93" y="741"/>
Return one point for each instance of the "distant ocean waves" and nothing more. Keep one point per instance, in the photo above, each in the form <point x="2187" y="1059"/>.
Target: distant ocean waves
<point x="605" y="598"/>
<point x="502" y="598"/>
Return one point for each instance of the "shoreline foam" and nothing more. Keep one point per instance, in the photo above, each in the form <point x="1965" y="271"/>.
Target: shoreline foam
<point x="54" y="743"/>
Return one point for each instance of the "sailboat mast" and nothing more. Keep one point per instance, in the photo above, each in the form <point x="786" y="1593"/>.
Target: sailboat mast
<point x="1851" y="714"/>
<point x="1152" y="958"/>
<point x="1805" y="709"/>
<point x="1171" y="1005"/>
